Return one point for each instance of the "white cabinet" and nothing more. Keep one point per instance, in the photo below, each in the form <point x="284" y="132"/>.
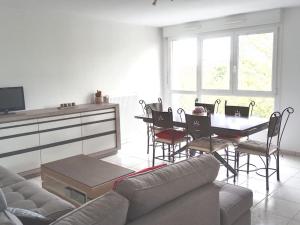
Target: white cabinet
<point x="53" y="135"/>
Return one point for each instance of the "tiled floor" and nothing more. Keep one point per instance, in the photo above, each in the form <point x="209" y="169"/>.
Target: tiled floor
<point x="279" y="206"/>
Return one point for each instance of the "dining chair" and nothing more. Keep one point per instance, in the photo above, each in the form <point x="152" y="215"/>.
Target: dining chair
<point x="163" y="132"/>
<point x="264" y="149"/>
<point x="146" y="109"/>
<point x="241" y="111"/>
<point x="211" y="108"/>
<point x="203" y="141"/>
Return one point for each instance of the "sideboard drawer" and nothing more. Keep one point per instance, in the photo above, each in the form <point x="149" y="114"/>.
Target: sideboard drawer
<point x="102" y="111"/>
<point x="98" y="128"/>
<point x="58" y="122"/>
<point x="19" y="143"/>
<point x="60" y="135"/>
<point x="18" y="123"/>
<point x="99" y="144"/>
<point x="61" y="152"/>
<point x="22" y="162"/>
<point x="100" y="117"/>
<point x="19" y="130"/>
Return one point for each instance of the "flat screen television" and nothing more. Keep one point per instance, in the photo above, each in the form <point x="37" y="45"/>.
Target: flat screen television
<point x="11" y="99"/>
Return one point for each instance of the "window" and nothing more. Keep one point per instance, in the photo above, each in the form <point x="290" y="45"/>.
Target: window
<point x="184" y="64"/>
<point x="236" y="66"/>
<point x="216" y="63"/>
<point x="255" y="62"/>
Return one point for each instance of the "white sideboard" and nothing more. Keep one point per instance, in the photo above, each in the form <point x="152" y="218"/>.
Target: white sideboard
<point x="31" y="138"/>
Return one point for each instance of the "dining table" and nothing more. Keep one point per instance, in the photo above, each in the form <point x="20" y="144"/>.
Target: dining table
<point x="223" y="125"/>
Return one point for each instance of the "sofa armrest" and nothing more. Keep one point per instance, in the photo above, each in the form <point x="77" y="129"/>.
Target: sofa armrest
<point x="235" y="202"/>
<point x="109" y="209"/>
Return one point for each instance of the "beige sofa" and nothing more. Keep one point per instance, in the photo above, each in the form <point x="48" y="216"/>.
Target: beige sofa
<point x="184" y="193"/>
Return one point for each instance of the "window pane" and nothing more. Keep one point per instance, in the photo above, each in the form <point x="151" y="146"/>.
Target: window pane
<point x="184" y="64"/>
<point x="216" y="63"/>
<point x="185" y="101"/>
<point x="255" y="62"/>
<point x="264" y="107"/>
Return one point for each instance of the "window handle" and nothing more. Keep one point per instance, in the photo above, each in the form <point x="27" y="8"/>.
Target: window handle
<point x="234" y="69"/>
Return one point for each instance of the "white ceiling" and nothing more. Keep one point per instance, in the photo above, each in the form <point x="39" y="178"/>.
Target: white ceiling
<point x="142" y="12"/>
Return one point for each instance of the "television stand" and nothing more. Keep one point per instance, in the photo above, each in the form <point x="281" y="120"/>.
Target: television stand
<point x="6" y="113"/>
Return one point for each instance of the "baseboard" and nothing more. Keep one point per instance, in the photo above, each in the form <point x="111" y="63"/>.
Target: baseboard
<point x="290" y="152"/>
<point x="105" y="153"/>
<point x="31" y="173"/>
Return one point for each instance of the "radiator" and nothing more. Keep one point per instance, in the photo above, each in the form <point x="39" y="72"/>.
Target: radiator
<point x="129" y="107"/>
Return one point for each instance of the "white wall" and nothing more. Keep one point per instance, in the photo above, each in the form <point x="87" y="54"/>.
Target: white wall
<point x="65" y="58"/>
<point x="290" y="76"/>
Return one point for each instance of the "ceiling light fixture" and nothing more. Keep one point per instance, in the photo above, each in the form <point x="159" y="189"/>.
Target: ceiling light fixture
<point x="155" y="1"/>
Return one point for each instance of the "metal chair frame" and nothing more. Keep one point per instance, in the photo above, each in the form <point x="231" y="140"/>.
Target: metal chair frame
<point x="146" y="109"/>
<point x="163" y="121"/>
<point x="274" y="130"/>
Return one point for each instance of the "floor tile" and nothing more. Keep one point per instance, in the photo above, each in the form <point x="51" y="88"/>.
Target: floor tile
<point x="268" y="219"/>
<point x="288" y="193"/>
<point x="278" y="207"/>
<point x="293" y="222"/>
<point x="297" y="217"/>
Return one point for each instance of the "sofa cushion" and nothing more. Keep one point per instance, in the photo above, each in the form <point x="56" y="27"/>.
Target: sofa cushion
<point x="3" y="203"/>
<point x="8" y="177"/>
<point x="27" y="195"/>
<point x="234" y="202"/>
<point x="109" y="209"/>
<point x="6" y="218"/>
<point x="148" y="191"/>
<point x="27" y="217"/>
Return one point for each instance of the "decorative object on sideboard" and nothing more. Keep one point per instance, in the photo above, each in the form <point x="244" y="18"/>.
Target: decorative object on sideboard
<point x="67" y="105"/>
<point x="200" y="111"/>
<point x="98" y="97"/>
<point x="155" y="2"/>
<point x="106" y="99"/>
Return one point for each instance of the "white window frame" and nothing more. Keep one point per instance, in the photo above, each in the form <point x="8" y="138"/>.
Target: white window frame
<point x="233" y="91"/>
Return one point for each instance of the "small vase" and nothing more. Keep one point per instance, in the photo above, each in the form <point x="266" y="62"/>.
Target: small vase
<point x="98" y="100"/>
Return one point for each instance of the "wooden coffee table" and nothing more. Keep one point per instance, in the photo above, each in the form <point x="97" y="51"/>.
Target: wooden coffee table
<point x="80" y="178"/>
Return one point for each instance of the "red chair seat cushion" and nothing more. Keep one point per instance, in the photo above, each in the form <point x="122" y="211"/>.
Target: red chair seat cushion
<point x="120" y="179"/>
<point x="171" y="134"/>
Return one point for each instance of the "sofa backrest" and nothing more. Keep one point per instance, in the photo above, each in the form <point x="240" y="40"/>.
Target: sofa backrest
<point x="198" y="207"/>
<point x="109" y="209"/>
<point x="149" y="191"/>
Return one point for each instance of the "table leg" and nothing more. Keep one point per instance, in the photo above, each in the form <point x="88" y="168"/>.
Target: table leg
<point x="183" y="148"/>
<point x="223" y="161"/>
